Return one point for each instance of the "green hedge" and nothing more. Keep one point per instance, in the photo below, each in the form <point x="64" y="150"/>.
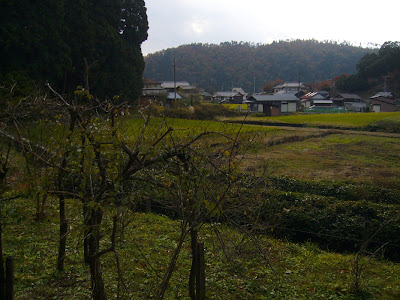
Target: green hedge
<point x="334" y="224"/>
<point x="339" y="190"/>
<point x="199" y="112"/>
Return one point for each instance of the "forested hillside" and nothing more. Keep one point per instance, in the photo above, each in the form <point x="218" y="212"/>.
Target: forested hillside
<point x="217" y="67"/>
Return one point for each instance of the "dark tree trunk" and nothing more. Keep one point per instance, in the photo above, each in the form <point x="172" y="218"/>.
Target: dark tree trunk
<point x="63" y="234"/>
<point x="193" y="269"/>
<point x="201" y="274"/>
<point x="93" y="240"/>
<point x="86" y="232"/>
<point x="9" y="278"/>
<point x="2" y="275"/>
<point x="40" y="205"/>
<point x="197" y="272"/>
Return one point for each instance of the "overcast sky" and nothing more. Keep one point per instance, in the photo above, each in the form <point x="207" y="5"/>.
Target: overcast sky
<point x="176" y="22"/>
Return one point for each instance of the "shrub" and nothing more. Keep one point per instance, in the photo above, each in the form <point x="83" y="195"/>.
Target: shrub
<point x="199" y="112"/>
<point x="332" y="223"/>
<point x="386" y="125"/>
<point x="340" y="190"/>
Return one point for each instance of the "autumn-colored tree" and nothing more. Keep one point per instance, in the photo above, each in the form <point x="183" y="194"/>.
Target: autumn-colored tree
<point x="270" y="85"/>
<point x="324" y="85"/>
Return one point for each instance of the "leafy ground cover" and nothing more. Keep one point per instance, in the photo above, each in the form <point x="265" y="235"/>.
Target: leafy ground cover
<point x="237" y="266"/>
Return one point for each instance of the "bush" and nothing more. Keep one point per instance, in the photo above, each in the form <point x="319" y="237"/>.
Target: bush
<point x="339" y="190"/>
<point x="199" y="112"/>
<point x="386" y="125"/>
<point x="332" y="223"/>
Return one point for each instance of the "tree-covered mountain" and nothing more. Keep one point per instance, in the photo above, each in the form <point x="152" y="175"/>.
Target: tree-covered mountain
<point x="219" y="67"/>
<point x="375" y="71"/>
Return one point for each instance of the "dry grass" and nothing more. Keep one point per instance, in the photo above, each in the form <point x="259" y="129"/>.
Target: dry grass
<point x="333" y="157"/>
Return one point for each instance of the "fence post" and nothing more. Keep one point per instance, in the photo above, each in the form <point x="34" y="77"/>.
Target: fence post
<point x="2" y="279"/>
<point x="2" y="274"/>
<point x="9" y="278"/>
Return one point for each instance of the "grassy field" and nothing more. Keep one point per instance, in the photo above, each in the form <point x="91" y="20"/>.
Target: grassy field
<point x="353" y="120"/>
<point x="334" y="157"/>
<point x="236" y="268"/>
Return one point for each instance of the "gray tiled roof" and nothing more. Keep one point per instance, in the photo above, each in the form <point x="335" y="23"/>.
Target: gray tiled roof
<point x="226" y="94"/>
<point x="275" y="97"/>
<point x="348" y="96"/>
<point x="171" y="96"/>
<point x="171" y="84"/>
<point x="383" y="94"/>
<point x="290" y="85"/>
<point x="323" y="101"/>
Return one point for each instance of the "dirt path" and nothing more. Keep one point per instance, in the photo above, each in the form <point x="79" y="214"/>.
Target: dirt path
<point x="341" y="131"/>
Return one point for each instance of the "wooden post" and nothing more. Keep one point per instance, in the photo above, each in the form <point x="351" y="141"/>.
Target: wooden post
<point x="201" y="273"/>
<point x="9" y="278"/>
<point x="2" y="274"/>
<point x="2" y="280"/>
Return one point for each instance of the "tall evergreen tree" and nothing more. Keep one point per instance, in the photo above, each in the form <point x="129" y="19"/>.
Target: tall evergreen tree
<point x="57" y="40"/>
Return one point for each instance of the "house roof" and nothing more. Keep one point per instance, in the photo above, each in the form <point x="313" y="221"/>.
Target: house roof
<point x="324" y="101"/>
<point x="290" y="85"/>
<point x="314" y="96"/>
<point x="188" y="88"/>
<point x="383" y="95"/>
<point x="150" y="81"/>
<point x="275" y="97"/>
<point x="171" y="84"/>
<point x="205" y="93"/>
<point x="226" y="94"/>
<point x="239" y="90"/>
<point x="171" y="96"/>
<point x="347" y="96"/>
<point x="153" y="92"/>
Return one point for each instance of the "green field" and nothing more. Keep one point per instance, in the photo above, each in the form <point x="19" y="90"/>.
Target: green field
<point x="317" y="173"/>
<point x="354" y="120"/>
<point x="235" y="269"/>
<point x="335" y="157"/>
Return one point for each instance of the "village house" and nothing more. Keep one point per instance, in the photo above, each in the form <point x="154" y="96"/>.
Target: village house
<point x="171" y="85"/>
<point x="152" y="91"/>
<point x="290" y="86"/>
<point x="228" y="97"/>
<point x="383" y="102"/>
<point x="152" y="88"/>
<point x="273" y="105"/>
<point x="315" y="99"/>
<point x="160" y="91"/>
<point x="351" y="102"/>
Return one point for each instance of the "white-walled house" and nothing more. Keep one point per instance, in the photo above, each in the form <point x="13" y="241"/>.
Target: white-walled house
<point x="273" y="105"/>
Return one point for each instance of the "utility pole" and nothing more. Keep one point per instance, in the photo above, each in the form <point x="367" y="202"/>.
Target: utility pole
<point x="175" y="79"/>
<point x="254" y="85"/>
<point x="385" y="84"/>
<point x="298" y="89"/>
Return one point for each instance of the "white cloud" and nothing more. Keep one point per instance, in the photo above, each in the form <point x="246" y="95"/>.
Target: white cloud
<point x="176" y="22"/>
<point x="197" y="26"/>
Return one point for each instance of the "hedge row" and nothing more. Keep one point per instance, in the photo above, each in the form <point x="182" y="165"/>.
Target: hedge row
<point x="334" y="224"/>
<point x="339" y="190"/>
<point x="199" y="112"/>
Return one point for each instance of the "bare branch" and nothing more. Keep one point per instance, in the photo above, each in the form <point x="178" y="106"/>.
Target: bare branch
<point x="58" y="95"/>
